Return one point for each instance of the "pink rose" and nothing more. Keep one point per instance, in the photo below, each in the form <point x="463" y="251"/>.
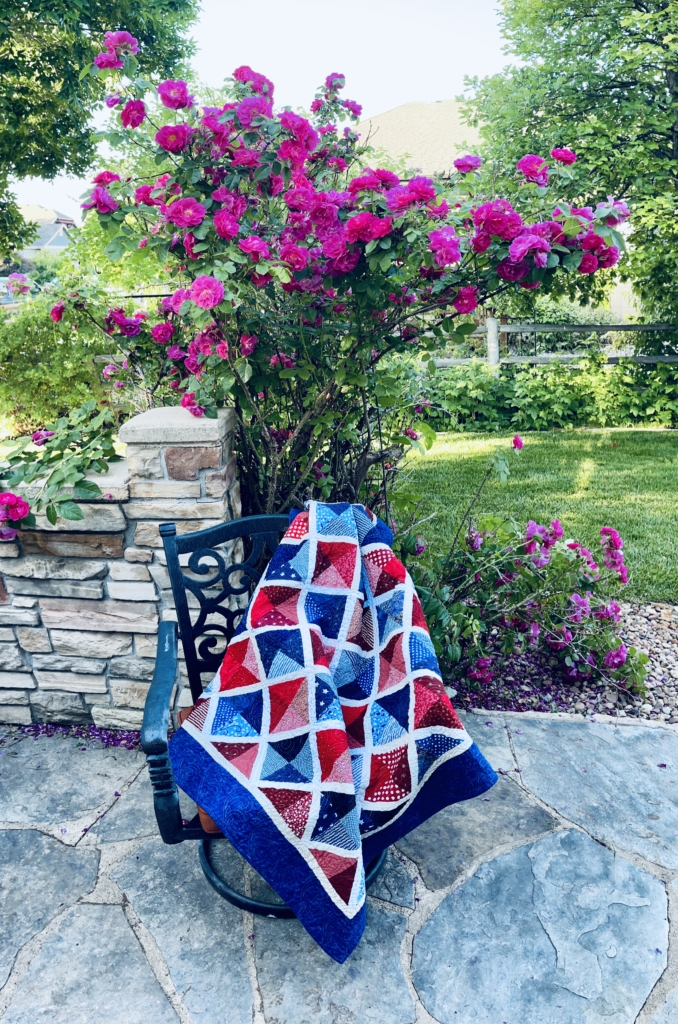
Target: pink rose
<point x="105" y="178"/>
<point x="122" y="43"/>
<point x="534" y="168"/>
<point x="248" y="343"/>
<point x="225" y="224"/>
<point x="108" y="59"/>
<point x="466" y="299"/>
<point x="423" y="189"/>
<point x="113" y="101"/>
<point x="608" y="257"/>
<point x="57" y="311"/>
<point x="507" y="270"/>
<point x="162" y="333"/>
<point x="468" y="163"/>
<point x="180" y="296"/>
<point x="102" y="200"/>
<point x="517" y="443"/>
<point x="481" y="241"/>
<point x="246" y="158"/>
<point x="186" y="213"/>
<point x="133" y="113"/>
<point x="222" y="350"/>
<point x="589" y="263"/>
<point x="207" y="292"/>
<point x="252" y="107"/>
<point x="174" y="95"/>
<point x="41" y="436"/>
<point x="174" y="137"/>
<point x="296" y="256"/>
<point x="255" y="247"/>
<point x="498" y="218"/>
<point x="564" y="156"/>
<point x="13" y="507"/>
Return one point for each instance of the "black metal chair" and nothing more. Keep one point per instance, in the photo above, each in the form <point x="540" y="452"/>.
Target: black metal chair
<point x="224" y="592"/>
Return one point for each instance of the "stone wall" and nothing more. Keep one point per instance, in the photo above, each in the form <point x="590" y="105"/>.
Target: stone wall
<point x="80" y="602"/>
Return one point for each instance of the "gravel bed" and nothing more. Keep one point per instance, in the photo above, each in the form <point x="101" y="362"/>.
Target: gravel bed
<point x="532" y="682"/>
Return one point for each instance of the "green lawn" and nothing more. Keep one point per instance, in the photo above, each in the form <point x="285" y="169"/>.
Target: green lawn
<point x="627" y="479"/>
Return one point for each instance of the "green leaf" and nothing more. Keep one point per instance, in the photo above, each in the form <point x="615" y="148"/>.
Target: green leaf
<point x="51" y="514"/>
<point x="69" y="510"/>
<point x="85" y="71"/>
<point x="428" y="433"/>
<point x="85" y="489"/>
<point x="243" y="368"/>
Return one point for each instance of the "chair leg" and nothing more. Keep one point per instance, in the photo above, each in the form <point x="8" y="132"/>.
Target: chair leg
<point x="239" y="899"/>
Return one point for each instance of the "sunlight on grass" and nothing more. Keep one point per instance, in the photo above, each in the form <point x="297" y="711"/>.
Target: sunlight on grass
<point x="589" y="478"/>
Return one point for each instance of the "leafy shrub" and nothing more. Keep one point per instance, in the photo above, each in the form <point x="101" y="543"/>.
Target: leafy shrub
<point x="45" y="369"/>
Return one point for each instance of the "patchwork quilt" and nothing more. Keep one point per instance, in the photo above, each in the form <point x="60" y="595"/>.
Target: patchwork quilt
<point x="327" y="733"/>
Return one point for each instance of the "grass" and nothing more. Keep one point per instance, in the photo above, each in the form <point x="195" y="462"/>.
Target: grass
<point x="627" y="479"/>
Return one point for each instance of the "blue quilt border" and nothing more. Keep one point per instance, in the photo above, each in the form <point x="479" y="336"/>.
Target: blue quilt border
<point x="255" y="836"/>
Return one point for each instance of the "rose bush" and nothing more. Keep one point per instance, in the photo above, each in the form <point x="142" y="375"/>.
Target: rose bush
<point x="300" y="274"/>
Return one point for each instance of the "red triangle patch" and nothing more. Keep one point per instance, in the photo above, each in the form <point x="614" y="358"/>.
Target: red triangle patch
<point x="335" y="760"/>
<point x="340" y="871"/>
<point x="282" y="699"/>
<point x="293" y="806"/>
<point x="418" y="613"/>
<point x="392" y="663"/>
<point x="241" y="755"/>
<point x="239" y="667"/>
<point x="354" y="719"/>
<point x="322" y="653"/>
<point x="199" y="713"/>
<point x="390" y="778"/>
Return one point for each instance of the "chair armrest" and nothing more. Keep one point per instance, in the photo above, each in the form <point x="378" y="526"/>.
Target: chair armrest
<point x="154" y="737"/>
<point x="156" y="711"/>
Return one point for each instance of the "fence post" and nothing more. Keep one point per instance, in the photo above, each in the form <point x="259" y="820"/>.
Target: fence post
<point x="492" y="325"/>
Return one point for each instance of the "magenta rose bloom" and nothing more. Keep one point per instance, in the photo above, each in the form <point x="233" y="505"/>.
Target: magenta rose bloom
<point x="174" y="95"/>
<point x="133" y="113"/>
<point x="294" y="255"/>
<point x="18" y="284"/>
<point x="258" y="83"/>
<point x="517" y="443"/>
<point x="498" y="218"/>
<point x="252" y="107"/>
<point x="468" y="163"/>
<point x="105" y="178"/>
<point x="244" y="157"/>
<point x="41" y="436"/>
<point x="57" y="311"/>
<point x="345" y="263"/>
<point x="178" y="298"/>
<point x="353" y="108"/>
<point x="113" y="101"/>
<point x="589" y="263"/>
<point x="162" y="333"/>
<point x="174" y="137"/>
<point x="207" y="292"/>
<point x="507" y="270"/>
<point x="335" y="81"/>
<point x="369" y="179"/>
<point x="528" y="243"/>
<point x="186" y="213"/>
<point x="225" y="224"/>
<point x="254" y="247"/>
<point x="564" y="156"/>
<point x="142" y="195"/>
<point x="466" y="299"/>
<point x="534" y="168"/>
<point x="13" y="507"/>
<point x="481" y="241"/>
<point x="108" y="59"/>
<point x="101" y="199"/>
<point x="122" y="43"/>
<point x="335" y="246"/>
<point x="248" y="343"/>
<point x="608" y="257"/>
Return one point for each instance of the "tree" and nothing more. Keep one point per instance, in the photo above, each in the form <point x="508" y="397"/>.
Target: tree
<point x="46" y="104"/>
<point x="600" y="76"/>
<point x="296" y="281"/>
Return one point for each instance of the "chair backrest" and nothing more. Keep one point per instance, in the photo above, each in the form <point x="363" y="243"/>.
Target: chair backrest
<point x="229" y="579"/>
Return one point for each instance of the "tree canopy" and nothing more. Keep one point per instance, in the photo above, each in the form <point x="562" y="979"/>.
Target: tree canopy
<point x="46" y="105"/>
<point x="600" y="76"/>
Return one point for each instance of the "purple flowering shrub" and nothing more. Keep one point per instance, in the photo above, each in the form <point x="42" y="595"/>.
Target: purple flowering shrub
<point x="507" y="588"/>
<point x="298" y="272"/>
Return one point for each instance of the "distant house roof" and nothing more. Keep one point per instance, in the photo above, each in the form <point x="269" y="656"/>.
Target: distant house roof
<point x="52" y="229"/>
<point x="431" y="133"/>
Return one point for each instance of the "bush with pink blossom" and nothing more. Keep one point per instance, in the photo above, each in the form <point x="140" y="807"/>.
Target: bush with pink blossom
<point x="272" y="228"/>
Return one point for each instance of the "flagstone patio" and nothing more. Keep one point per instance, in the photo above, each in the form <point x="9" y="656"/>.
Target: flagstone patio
<point x="546" y="900"/>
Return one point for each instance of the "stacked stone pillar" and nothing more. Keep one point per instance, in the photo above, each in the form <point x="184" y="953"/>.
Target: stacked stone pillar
<point x="80" y="602"/>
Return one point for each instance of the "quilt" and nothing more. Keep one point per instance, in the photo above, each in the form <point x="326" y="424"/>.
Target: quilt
<point x="327" y="733"/>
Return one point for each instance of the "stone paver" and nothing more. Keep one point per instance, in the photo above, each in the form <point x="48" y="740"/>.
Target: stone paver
<point x="39" y="877"/>
<point x="199" y="935"/>
<point x="301" y="985"/>
<point x="560" y="931"/>
<point x="56" y="778"/>
<point x="446" y="845"/>
<point x="620" y="783"/>
<point x="495" y="911"/>
<point x="92" y="970"/>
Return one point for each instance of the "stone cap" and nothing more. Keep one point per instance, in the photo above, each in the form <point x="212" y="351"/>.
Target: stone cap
<point x="174" y="425"/>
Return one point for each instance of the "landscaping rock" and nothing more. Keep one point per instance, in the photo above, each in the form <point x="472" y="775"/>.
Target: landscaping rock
<point x="58" y="663"/>
<point x="123" y="591"/>
<point x="39" y="877"/>
<point x="106" y="616"/>
<point x="71" y="682"/>
<point x="78" y="545"/>
<point x="34" y="641"/>
<point x="199" y="935"/>
<point x="117" y="718"/>
<point x="92" y="971"/>
<point x="89" y="589"/>
<point x="561" y="931"/>
<point x="130" y="817"/>
<point x="10" y="657"/>
<point x="91" y="644"/>
<point x="54" y="568"/>
<point x="127" y="570"/>
<point x="186" y="463"/>
<point x="60" y="708"/>
<point x="17" y="680"/>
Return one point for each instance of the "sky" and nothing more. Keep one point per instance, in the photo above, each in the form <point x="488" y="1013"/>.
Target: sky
<point x="391" y="51"/>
